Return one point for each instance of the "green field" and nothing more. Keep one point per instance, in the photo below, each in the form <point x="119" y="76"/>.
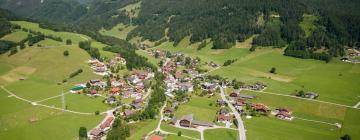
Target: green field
<point x="20" y="120"/>
<point x="199" y="106"/>
<point x="175" y="137"/>
<point x="170" y="128"/>
<point x="16" y="36"/>
<point x="266" y="128"/>
<point x="42" y="68"/>
<point x="308" y="24"/>
<point x="118" y="31"/>
<point x="141" y="129"/>
<point x="220" y="134"/>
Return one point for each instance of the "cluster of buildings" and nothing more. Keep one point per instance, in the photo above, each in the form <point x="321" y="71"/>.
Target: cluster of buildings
<point x="101" y="130"/>
<point x="282" y="113"/>
<point x="103" y="68"/>
<point x="188" y="121"/>
<point x="258" y="86"/>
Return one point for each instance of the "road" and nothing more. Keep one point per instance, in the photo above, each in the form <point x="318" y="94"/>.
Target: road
<point x="241" y="127"/>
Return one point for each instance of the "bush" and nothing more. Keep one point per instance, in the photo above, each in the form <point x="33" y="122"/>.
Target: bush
<point x="66" y="53"/>
<point x="273" y="70"/>
<point x="179" y="133"/>
<point x="68" y="42"/>
<point x="97" y="112"/>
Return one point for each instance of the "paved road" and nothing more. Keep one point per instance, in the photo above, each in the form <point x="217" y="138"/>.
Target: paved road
<point x="241" y="128"/>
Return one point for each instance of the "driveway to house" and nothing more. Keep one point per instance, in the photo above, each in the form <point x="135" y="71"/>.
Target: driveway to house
<point x="241" y="128"/>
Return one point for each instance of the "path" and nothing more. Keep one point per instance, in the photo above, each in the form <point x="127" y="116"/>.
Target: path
<point x="37" y="104"/>
<point x="241" y="127"/>
<point x="315" y="121"/>
<point x="357" y="105"/>
<point x="52" y="97"/>
<point x="271" y="93"/>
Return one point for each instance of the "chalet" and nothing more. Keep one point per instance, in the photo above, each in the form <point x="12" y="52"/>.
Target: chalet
<point x="185" y="121"/>
<point x="133" y="79"/>
<point x="106" y="125"/>
<point x="93" y="92"/>
<point x="282" y="113"/>
<point x="110" y="100"/>
<point x="100" y="69"/>
<point x="168" y="110"/>
<point x="260" y="108"/>
<point x="224" y="118"/>
<point x="136" y="106"/>
<point x="96" y="133"/>
<point x="115" y="83"/>
<point x="115" y="90"/>
<point x="234" y="94"/>
<point x="94" y="81"/>
<point x="208" y="86"/>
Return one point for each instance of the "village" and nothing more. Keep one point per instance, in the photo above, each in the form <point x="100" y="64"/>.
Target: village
<point x="185" y="77"/>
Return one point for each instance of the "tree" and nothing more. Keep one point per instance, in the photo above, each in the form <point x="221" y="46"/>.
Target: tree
<point x="66" y="53"/>
<point x="68" y="42"/>
<point x="273" y="70"/>
<point x="346" y="137"/>
<point x="179" y="133"/>
<point x="82" y="133"/>
<point x="253" y="48"/>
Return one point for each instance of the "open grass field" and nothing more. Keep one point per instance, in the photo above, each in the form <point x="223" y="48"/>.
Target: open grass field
<point x="351" y="124"/>
<point x="16" y="36"/>
<point x="175" y="137"/>
<point x="20" y="120"/>
<point x="150" y="58"/>
<point x="141" y="129"/>
<point x="266" y="128"/>
<point x="199" y="106"/>
<point x="308" y="24"/>
<point x="220" y="134"/>
<point x="170" y="128"/>
<point x="118" y="31"/>
<point x="42" y="68"/>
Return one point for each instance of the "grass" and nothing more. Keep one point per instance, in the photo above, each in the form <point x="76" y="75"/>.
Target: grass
<point x="351" y="124"/>
<point x="170" y="128"/>
<point x="302" y="108"/>
<point x="42" y="68"/>
<point x="224" y="134"/>
<point x="150" y="58"/>
<point x="199" y="106"/>
<point x="308" y="24"/>
<point x="297" y="74"/>
<point x="16" y="36"/>
<point x="118" y="31"/>
<point x="81" y="103"/>
<point x="50" y="124"/>
<point x="266" y="128"/>
<point x="140" y="129"/>
<point x="175" y="137"/>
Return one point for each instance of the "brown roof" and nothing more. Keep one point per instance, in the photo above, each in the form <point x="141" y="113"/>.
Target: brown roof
<point x="187" y="117"/>
<point x="155" y="137"/>
<point x="107" y="123"/>
<point x="96" y="132"/>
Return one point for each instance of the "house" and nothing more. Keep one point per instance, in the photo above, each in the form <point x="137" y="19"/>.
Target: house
<point x="155" y="137"/>
<point x="93" y="92"/>
<point x="311" y="95"/>
<point x="110" y="100"/>
<point x="168" y="110"/>
<point x="196" y="123"/>
<point x="260" y="108"/>
<point x="133" y="79"/>
<point x="188" y="87"/>
<point x="92" y="82"/>
<point x="246" y="96"/>
<point x="136" y="106"/>
<point x="186" y="120"/>
<point x="224" y="118"/>
<point x="106" y="125"/>
<point x="234" y="94"/>
<point x="282" y="113"/>
<point x="221" y="102"/>
<point x="97" y="133"/>
<point x="115" y="90"/>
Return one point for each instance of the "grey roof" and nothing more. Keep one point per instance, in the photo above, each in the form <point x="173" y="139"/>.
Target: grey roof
<point x="246" y="96"/>
<point x="201" y="123"/>
<point x="188" y="117"/>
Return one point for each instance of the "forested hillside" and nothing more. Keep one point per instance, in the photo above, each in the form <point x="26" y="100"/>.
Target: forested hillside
<point x="277" y="23"/>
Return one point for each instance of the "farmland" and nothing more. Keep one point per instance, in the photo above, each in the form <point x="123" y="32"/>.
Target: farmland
<point x="42" y="68"/>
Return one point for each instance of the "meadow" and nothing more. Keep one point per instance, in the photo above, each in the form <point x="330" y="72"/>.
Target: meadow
<point x="118" y="31"/>
<point x="217" y="134"/>
<point x="41" y="69"/>
<point x="202" y="108"/>
<point x="170" y="128"/>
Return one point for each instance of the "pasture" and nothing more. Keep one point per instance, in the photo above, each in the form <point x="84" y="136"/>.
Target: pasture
<point x="170" y="128"/>
<point x="33" y="74"/>
<point x="221" y="134"/>
<point x="16" y="36"/>
<point x="139" y="129"/>
<point x="202" y="108"/>
<point x="118" y="31"/>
